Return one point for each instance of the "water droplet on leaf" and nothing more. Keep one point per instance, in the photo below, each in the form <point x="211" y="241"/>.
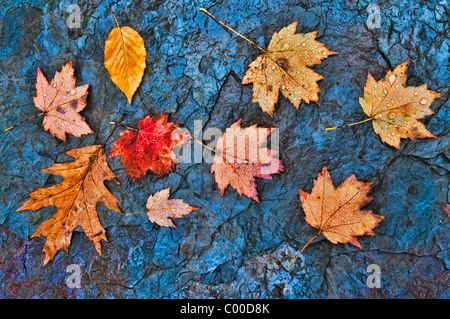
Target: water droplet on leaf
<point x="392" y="78"/>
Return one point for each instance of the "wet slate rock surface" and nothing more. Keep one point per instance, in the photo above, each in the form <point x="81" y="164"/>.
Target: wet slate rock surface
<point x="232" y="247"/>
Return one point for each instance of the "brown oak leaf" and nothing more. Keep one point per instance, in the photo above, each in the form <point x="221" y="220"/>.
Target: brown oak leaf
<point x="75" y="198"/>
<point x="61" y="101"/>
<point x="395" y="108"/>
<point x="284" y="67"/>
<point x="160" y="209"/>
<point x="240" y="159"/>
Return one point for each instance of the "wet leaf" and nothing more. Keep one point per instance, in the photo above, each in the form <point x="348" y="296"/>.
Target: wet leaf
<point x="395" y="108"/>
<point x="125" y="59"/>
<point x="160" y="209"/>
<point x="61" y="101"/>
<point x="337" y="211"/>
<point x="240" y="158"/>
<point x="149" y="147"/>
<point x="75" y="198"/>
<point x="284" y="67"/>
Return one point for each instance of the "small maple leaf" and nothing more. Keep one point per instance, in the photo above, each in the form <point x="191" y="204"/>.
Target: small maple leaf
<point x="395" y="108"/>
<point x="125" y="57"/>
<point x="149" y="147"/>
<point x="61" y="101"/>
<point x="240" y="159"/>
<point x="160" y="209"/>
<point x="75" y="198"/>
<point x="284" y="67"/>
<point x="336" y="211"/>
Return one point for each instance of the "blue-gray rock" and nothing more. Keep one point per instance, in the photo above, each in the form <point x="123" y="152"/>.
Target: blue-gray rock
<point x="232" y="247"/>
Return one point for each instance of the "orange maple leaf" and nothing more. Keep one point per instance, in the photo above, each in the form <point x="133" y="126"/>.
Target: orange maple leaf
<point x="336" y="211"/>
<point x="240" y="159"/>
<point x="160" y="209"/>
<point x="395" y="108"/>
<point x="75" y="198"/>
<point x="284" y="67"/>
<point x="61" y="101"/>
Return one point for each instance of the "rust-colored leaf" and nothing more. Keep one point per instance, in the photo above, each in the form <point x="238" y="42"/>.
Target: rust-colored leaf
<point x="240" y="159"/>
<point x="61" y="101"/>
<point x="284" y="67"/>
<point x="149" y="147"/>
<point x="337" y="211"/>
<point x="75" y="198"/>
<point x="125" y="59"/>
<point x="395" y="108"/>
<point x="160" y="209"/>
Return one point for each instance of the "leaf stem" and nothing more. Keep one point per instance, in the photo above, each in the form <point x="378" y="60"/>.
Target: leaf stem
<point x="124" y="126"/>
<point x="32" y="117"/>
<point x="290" y="264"/>
<point x="333" y="128"/>
<point x="207" y="147"/>
<point x="116" y="20"/>
<point x="115" y="125"/>
<point x="229" y="28"/>
<point x="142" y="211"/>
<point x="194" y="139"/>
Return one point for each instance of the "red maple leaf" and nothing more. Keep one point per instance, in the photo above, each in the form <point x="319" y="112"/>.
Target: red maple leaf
<point x="149" y="147"/>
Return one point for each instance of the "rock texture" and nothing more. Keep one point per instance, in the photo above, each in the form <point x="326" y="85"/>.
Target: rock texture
<point x="232" y="247"/>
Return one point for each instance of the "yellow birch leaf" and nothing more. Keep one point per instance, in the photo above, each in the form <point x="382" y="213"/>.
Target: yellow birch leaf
<point x="125" y="57"/>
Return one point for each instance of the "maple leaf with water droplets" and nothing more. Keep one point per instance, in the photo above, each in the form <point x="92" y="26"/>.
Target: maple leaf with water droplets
<point x="149" y="147"/>
<point x="160" y="209"/>
<point x="284" y="67"/>
<point x="395" y="108"/>
<point x="336" y="211"/>
<point x="240" y="159"/>
<point x="61" y="101"/>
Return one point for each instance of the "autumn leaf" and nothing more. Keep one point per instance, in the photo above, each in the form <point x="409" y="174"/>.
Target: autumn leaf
<point x="240" y="158"/>
<point x="337" y="211"/>
<point x="446" y="208"/>
<point x="75" y="198"/>
<point x="160" y="209"/>
<point x="148" y="148"/>
<point x="60" y="102"/>
<point x="125" y="59"/>
<point x="395" y="108"/>
<point x="284" y="67"/>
